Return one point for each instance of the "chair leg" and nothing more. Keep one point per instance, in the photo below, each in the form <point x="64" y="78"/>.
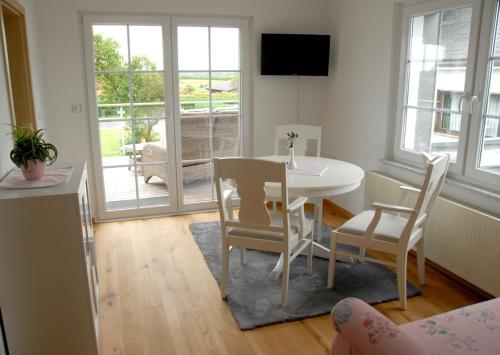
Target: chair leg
<point x="225" y="269"/>
<point x="310" y="250"/>
<point x="401" y="275"/>
<point x="332" y="261"/>
<point x="242" y="256"/>
<point x="421" y="261"/>
<point x="318" y="217"/>
<point x="285" y="276"/>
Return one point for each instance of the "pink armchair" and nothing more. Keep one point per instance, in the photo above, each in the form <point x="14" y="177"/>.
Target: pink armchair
<point x="363" y="330"/>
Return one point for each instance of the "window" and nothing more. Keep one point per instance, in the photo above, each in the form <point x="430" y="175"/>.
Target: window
<point x="449" y="56"/>
<point x="489" y="150"/>
<point x="447" y="121"/>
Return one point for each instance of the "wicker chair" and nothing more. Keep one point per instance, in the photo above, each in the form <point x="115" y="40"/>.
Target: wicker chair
<point x="195" y="144"/>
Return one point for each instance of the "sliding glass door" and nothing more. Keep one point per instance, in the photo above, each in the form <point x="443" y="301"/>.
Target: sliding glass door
<point x="208" y="73"/>
<point x="165" y="98"/>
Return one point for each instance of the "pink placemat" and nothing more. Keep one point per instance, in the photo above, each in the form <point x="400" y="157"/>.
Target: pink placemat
<point x="52" y="177"/>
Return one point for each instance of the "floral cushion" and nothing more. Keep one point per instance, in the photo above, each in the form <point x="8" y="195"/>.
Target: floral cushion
<point x="470" y="330"/>
<point x="363" y="330"/>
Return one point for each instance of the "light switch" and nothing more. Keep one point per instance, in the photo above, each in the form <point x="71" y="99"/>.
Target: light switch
<point x="76" y="108"/>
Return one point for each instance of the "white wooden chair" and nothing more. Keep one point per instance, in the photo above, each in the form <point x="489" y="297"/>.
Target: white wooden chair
<point x="391" y="233"/>
<point x="306" y="133"/>
<point x="255" y="228"/>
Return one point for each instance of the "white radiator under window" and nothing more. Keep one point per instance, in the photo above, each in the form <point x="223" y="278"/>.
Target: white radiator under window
<point x="462" y="240"/>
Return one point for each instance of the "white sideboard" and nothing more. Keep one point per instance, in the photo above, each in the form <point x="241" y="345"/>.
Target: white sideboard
<point x="48" y="276"/>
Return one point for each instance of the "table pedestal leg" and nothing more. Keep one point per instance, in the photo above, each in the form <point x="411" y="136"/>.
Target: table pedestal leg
<point x="278" y="268"/>
<point x="319" y="251"/>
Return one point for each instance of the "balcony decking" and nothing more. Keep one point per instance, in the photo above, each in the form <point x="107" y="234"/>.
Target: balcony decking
<point x="120" y="190"/>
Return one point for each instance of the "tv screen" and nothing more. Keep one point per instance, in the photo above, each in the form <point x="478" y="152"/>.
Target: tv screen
<point x="294" y="54"/>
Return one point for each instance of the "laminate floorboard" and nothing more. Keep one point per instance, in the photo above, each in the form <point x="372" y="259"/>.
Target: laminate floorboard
<point x="157" y="296"/>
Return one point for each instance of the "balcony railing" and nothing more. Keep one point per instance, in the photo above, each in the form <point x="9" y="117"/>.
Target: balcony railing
<point x="155" y="110"/>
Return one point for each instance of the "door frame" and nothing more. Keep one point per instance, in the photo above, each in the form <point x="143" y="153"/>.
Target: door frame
<point x="171" y="106"/>
<point x="17" y="64"/>
<point x="164" y="22"/>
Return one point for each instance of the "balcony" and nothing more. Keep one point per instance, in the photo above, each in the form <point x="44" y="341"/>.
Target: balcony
<point x="136" y="167"/>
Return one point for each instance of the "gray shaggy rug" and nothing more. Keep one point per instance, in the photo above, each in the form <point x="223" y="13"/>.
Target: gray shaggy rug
<point x="254" y="297"/>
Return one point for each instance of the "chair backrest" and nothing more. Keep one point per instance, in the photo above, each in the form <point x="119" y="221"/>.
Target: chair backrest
<point x="433" y="183"/>
<point x="250" y="177"/>
<point x="306" y="133"/>
<point x="196" y="141"/>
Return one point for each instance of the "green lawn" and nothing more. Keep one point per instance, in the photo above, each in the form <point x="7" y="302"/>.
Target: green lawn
<point x="111" y="142"/>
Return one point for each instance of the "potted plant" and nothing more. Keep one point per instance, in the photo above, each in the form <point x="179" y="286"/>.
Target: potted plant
<point x="31" y="152"/>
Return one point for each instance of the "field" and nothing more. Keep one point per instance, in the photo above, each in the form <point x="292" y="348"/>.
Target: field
<point x="194" y="90"/>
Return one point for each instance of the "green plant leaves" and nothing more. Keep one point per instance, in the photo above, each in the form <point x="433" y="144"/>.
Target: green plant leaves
<point x="30" y="145"/>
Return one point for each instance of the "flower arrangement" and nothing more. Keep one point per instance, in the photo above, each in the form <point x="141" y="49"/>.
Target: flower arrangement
<point x="292" y="136"/>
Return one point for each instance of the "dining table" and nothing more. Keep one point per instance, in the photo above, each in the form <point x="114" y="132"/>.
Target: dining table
<point x="337" y="177"/>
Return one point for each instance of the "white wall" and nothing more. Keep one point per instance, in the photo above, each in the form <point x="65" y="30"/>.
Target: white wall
<point x="355" y="125"/>
<point x="5" y="118"/>
<point x="274" y="98"/>
<point x="5" y="139"/>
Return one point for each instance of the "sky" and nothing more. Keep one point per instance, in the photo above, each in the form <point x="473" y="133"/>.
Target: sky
<point x="193" y="44"/>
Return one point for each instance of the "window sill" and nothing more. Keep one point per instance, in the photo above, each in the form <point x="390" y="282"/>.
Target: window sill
<point x="456" y="189"/>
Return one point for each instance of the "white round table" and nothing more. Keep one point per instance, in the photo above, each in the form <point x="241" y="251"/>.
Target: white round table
<point x="339" y="178"/>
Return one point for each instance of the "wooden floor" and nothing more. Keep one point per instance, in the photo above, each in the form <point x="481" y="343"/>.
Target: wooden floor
<point x="159" y="297"/>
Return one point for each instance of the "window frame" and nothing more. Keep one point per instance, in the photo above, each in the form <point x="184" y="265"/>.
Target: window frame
<point x="470" y="139"/>
<point x="486" y="43"/>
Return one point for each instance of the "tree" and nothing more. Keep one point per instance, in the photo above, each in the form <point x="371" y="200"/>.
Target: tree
<point x="106" y="55"/>
<point x="189" y="89"/>
<point x="111" y="88"/>
<point x="114" y="88"/>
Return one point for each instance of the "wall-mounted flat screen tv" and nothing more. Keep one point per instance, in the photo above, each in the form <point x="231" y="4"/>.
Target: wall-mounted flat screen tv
<point x="294" y="54"/>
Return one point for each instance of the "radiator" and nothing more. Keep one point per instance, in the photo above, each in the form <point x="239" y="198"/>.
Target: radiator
<point x="458" y="238"/>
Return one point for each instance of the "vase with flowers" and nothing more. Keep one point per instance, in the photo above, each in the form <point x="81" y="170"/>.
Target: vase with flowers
<point x="292" y="136"/>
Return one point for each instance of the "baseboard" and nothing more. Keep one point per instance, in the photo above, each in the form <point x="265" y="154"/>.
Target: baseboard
<point x="338" y="210"/>
<point x="460" y="282"/>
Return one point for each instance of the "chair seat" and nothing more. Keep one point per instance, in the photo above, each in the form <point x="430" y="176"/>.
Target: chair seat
<point x="277" y="221"/>
<point x="388" y="229"/>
